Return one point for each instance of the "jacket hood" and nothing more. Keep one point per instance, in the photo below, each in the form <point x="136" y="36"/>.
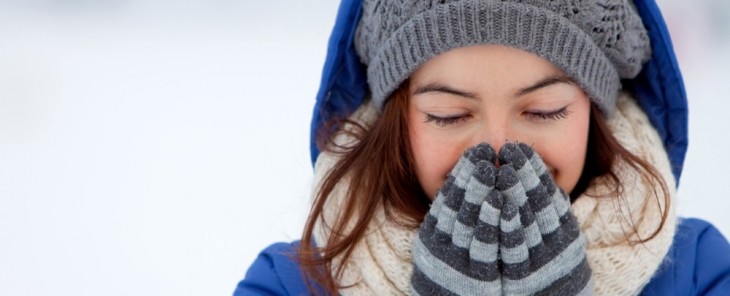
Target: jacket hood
<point x="658" y="88"/>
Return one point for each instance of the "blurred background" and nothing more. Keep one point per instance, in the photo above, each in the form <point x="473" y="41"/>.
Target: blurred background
<point x="155" y="147"/>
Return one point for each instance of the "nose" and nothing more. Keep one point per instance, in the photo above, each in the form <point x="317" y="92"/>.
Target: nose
<point x="497" y="132"/>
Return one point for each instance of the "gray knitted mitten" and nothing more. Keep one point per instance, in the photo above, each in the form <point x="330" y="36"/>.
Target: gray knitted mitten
<point x="505" y="231"/>
<point x="456" y="250"/>
<point x="541" y="248"/>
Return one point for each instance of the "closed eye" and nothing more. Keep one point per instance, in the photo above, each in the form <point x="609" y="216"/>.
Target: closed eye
<point x="548" y="115"/>
<point x="446" y="121"/>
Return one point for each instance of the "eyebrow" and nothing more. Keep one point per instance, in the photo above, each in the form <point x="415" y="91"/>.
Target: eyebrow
<point x="436" y="87"/>
<point x="548" y="81"/>
<point x="545" y="82"/>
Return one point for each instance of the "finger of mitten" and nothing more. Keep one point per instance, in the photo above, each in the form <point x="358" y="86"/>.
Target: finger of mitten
<point x="478" y="188"/>
<point x="515" y="194"/>
<point x="452" y="196"/>
<point x="513" y="251"/>
<point x="557" y="217"/>
<point x="530" y="176"/>
<point x="511" y="154"/>
<point x="485" y="245"/>
<point x="456" y="181"/>
<point x="466" y="164"/>
<point x="509" y="183"/>
<point x="482" y="152"/>
<point x="538" y="166"/>
<point x="427" y="229"/>
<point x="453" y="191"/>
<point x="543" y="205"/>
<point x="536" y="162"/>
<point x="561" y="200"/>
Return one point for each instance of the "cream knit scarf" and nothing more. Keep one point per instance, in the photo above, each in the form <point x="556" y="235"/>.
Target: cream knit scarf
<point x="381" y="262"/>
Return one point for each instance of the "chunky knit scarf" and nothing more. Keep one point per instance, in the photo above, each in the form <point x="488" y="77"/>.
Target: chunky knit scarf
<point x="381" y="261"/>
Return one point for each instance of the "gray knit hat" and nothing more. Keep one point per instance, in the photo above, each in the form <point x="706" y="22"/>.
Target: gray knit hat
<point x="596" y="42"/>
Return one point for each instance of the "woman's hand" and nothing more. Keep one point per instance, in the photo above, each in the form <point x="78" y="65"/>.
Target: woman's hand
<point x="500" y="231"/>
<point x="456" y="251"/>
<point x="541" y="249"/>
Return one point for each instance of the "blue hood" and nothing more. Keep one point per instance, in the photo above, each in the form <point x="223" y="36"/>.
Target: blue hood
<point x="659" y="88"/>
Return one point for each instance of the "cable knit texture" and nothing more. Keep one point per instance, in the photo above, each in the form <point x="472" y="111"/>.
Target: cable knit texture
<point x="381" y="262"/>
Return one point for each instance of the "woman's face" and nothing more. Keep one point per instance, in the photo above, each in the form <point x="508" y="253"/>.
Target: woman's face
<point x="495" y="94"/>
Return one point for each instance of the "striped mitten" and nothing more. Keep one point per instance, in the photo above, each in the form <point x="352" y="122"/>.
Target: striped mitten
<point x="541" y="248"/>
<point x="456" y="251"/>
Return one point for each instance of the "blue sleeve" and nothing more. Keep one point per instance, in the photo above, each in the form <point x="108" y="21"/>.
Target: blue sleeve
<point x="274" y="272"/>
<point x="712" y="269"/>
<point x="698" y="263"/>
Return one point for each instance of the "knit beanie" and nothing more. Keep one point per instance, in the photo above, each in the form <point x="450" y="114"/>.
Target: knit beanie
<point x="595" y="42"/>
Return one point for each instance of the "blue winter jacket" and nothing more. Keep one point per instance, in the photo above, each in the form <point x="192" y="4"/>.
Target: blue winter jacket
<point x="698" y="262"/>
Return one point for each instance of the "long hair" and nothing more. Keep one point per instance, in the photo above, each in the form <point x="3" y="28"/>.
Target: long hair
<point x="602" y="154"/>
<point x="380" y="170"/>
<point x="380" y="167"/>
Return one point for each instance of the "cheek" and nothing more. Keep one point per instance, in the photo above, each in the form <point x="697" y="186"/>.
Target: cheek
<point x="567" y="166"/>
<point x="434" y="155"/>
<point x="565" y="153"/>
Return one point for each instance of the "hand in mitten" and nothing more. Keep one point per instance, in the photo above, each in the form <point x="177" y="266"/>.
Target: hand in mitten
<point x="456" y="251"/>
<point x="541" y="248"/>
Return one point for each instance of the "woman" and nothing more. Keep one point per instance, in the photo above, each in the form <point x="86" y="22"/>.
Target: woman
<point x="496" y="154"/>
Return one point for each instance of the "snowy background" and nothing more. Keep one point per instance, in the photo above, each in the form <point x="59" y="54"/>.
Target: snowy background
<point x="154" y="147"/>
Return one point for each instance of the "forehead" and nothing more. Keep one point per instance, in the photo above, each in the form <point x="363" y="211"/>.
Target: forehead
<point x="476" y="65"/>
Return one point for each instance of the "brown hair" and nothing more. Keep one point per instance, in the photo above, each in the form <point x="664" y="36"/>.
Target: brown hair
<point x="603" y="152"/>
<point x="380" y="168"/>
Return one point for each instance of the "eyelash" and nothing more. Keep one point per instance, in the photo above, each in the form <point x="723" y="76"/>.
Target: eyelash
<point x="444" y="121"/>
<point x="561" y="113"/>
